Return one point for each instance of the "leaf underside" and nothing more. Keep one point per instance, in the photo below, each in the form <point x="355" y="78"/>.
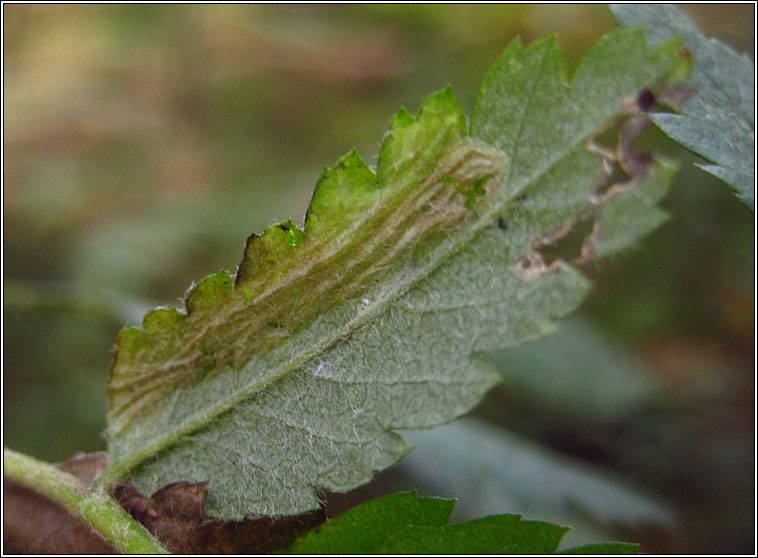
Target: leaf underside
<point x="718" y="122"/>
<point x="403" y="523"/>
<point x="291" y="376"/>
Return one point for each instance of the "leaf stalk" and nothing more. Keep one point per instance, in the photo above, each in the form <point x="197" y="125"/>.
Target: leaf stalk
<point x="93" y="506"/>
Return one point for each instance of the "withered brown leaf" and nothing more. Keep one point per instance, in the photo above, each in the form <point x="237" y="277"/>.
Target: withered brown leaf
<point x="174" y="514"/>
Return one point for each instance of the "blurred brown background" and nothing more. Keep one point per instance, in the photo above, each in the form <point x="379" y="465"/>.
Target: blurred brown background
<point x="143" y="143"/>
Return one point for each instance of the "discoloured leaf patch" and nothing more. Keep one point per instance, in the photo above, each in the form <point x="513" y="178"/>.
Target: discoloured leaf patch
<point x="174" y="514"/>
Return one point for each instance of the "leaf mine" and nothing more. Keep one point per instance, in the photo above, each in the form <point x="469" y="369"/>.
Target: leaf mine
<point x="294" y="374"/>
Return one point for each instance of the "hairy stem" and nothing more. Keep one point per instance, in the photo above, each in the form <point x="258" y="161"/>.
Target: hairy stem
<point x="95" y="507"/>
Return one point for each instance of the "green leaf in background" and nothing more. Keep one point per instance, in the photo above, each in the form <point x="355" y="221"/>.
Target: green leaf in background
<point x="403" y="523"/>
<point x="513" y="473"/>
<point x="718" y="122"/>
<point x="292" y="375"/>
<point x="579" y="372"/>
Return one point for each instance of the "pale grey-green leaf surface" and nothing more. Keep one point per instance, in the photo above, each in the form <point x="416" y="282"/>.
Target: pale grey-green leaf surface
<point x="511" y="473"/>
<point x="294" y="375"/>
<point x="718" y="122"/>
<point x="578" y="371"/>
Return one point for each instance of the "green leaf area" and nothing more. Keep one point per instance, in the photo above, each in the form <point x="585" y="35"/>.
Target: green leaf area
<point x="718" y="122"/>
<point x="403" y="523"/>
<point x="292" y="375"/>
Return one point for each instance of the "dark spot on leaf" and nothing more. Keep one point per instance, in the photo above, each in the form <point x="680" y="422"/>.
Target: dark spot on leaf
<point x="645" y="100"/>
<point x="501" y="223"/>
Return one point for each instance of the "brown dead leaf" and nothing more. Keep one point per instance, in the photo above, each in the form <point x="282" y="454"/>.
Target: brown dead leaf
<point x="174" y="514"/>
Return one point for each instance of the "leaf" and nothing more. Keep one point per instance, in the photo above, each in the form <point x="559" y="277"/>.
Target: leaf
<point x="578" y="371"/>
<point x="718" y="122"/>
<point x="510" y="472"/>
<point x="292" y="375"/>
<point x="403" y="523"/>
<point x="174" y="514"/>
<point x="34" y="524"/>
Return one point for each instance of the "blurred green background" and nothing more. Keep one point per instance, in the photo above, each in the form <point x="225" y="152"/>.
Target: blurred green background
<point x="144" y="143"/>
